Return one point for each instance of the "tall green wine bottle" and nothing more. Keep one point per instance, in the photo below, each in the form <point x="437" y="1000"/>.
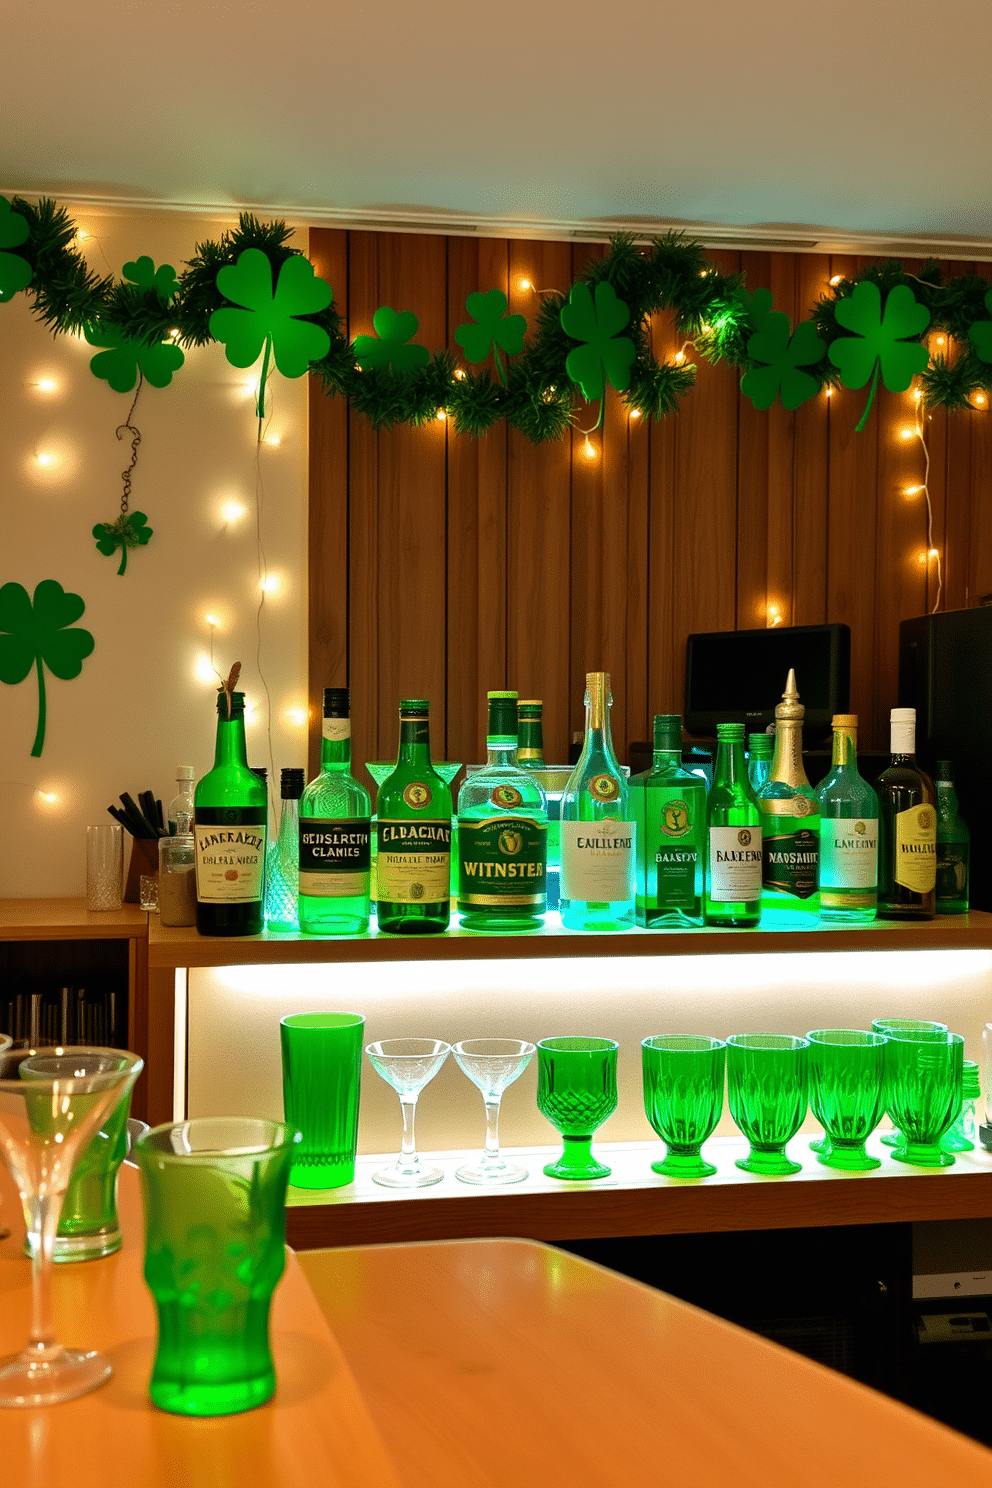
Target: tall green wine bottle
<point x="413" y="834"/>
<point x="668" y="805"/>
<point x="229" y="824"/>
<point x="335" y="839"/>
<point x="597" y="834"/>
<point x="733" y="841"/>
<point x="953" y="845"/>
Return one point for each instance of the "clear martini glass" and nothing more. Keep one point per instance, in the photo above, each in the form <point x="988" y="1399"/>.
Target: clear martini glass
<point x="492" y="1064"/>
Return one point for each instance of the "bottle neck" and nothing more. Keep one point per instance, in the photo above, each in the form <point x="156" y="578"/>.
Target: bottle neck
<point x="787" y="765"/>
<point x="598" y="736"/>
<point x="230" y="748"/>
<point x="667" y="759"/>
<point x="335" y="744"/>
<point x="415" y="742"/>
<point x="289" y="821"/>
<point x="902" y="741"/>
<point x="501" y="749"/>
<point x="730" y="768"/>
<point x="845" y="749"/>
<point x="530" y="741"/>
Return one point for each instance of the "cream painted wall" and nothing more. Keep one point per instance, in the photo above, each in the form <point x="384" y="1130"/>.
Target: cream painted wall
<point x="138" y="708"/>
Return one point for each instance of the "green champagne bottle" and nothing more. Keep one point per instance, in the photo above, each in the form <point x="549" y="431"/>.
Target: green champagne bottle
<point x="530" y="734"/>
<point x="848" y="833"/>
<point x="668" y="805"/>
<point x="335" y="833"/>
<point x="597" y="834"/>
<point x="907" y="829"/>
<point x="759" y="766"/>
<point x="733" y="840"/>
<point x="230" y="813"/>
<point x="502" y="834"/>
<point x="413" y="834"/>
<point x="953" y="845"/>
<point x="790" y="824"/>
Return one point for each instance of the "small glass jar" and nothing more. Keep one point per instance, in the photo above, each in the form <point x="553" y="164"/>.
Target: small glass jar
<point x="961" y="1136"/>
<point x="177" y="880"/>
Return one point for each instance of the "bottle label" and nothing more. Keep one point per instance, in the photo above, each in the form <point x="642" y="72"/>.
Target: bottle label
<point x="414" y="862"/>
<point x="952" y="870"/>
<point x="604" y="788"/>
<point x="849" y="855"/>
<point x="336" y="729"/>
<point x="417" y="795"/>
<point x="916" y="849"/>
<point x="335" y="856"/>
<point x="597" y="860"/>
<point x="230" y="863"/>
<point x="791" y="862"/>
<point x="506" y="797"/>
<point x="735" y="864"/>
<point x="676" y="856"/>
<point x="502" y="862"/>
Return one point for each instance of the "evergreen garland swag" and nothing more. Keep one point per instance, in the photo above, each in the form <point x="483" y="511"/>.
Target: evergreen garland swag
<point x="535" y="394"/>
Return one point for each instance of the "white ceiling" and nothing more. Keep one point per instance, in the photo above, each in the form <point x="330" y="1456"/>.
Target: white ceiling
<point x="859" y="116"/>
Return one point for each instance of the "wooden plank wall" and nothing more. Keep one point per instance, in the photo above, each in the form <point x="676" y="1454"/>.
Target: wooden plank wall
<point x="443" y="566"/>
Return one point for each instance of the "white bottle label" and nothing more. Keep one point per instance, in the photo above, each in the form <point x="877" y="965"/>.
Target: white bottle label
<point x="735" y="864"/>
<point x="229" y="863"/>
<point x="336" y="729"/>
<point x="597" y="861"/>
<point x="849" y="853"/>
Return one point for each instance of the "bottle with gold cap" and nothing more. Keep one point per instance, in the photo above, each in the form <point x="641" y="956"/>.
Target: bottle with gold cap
<point x="502" y="834"/>
<point x="597" y="833"/>
<point x="790" y="819"/>
<point x="848" y="833"/>
<point x="907" y="829"/>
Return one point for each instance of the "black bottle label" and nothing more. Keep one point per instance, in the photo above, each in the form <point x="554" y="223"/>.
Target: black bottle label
<point x="335" y="856"/>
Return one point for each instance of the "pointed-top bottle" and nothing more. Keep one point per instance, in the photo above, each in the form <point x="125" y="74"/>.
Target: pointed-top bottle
<point x="790" y="870"/>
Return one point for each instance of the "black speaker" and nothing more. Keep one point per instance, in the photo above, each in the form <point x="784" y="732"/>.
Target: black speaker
<point x="737" y="676"/>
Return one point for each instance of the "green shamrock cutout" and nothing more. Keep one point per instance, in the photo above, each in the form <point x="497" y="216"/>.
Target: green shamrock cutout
<point x="40" y="637"/>
<point x="879" y="341"/>
<point x="120" y="364"/>
<point x="145" y="275"/>
<point x="131" y="530"/>
<point x="493" y="329"/>
<point x="606" y="355"/>
<point x="757" y="305"/>
<point x="390" y="347"/>
<point x="15" y="271"/>
<point x="782" y="355"/>
<point x="980" y="334"/>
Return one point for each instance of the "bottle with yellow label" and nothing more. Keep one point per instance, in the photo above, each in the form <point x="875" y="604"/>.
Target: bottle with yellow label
<point x="597" y="833"/>
<point x="907" y="829"/>
<point x="413" y="832"/>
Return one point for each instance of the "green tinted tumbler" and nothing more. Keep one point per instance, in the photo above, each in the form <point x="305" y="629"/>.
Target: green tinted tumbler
<point x="923" y="1079"/>
<point x="321" y="1072"/>
<point x="767" y="1082"/>
<point x="683" y="1098"/>
<point x="847" y="1093"/>
<point x="215" y="1227"/>
<point x="577" y="1091"/>
<point x="922" y="1028"/>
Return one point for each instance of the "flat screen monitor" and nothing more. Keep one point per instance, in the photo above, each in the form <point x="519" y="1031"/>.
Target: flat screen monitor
<point x="738" y="676"/>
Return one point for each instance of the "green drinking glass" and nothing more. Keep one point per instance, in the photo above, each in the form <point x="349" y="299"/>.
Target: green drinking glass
<point x="847" y="1093"/>
<point x="767" y="1083"/>
<point x="920" y="1027"/>
<point x="576" y="1092"/>
<point x="321" y="1076"/>
<point x="215" y="1229"/>
<point x="683" y="1098"/>
<point x="923" y="1080"/>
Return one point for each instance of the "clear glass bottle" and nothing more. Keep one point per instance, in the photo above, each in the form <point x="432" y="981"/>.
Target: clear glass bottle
<point x="230" y="817"/>
<point x="335" y="833"/>
<point x="907" y="829"/>
<point x="962" y="1135"/>
<point x="530" y="734"/>
<point x="790" y="812"/>
<point x="668" y="805"/>
<point x="848" y="832"/>
<point x="733" y="838"/>
<point x="413" y="862"/>
<point x="953" y="846"/>
<point x="759" y="764"/>
<point x="282" y="863"/>
<point x="502" y="833"/>
<point x="179" y="817"/>
<point x="597" y="834"/>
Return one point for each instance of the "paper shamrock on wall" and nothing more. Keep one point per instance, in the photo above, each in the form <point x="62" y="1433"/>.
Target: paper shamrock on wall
<point x="758" y="306"/>
<point x="493" y="329"/>
<point x="15" y="271"/>
<point x="980" y="334"/>
<point x="606" y="355"/>
<point x="270" y="320"/>
<point x="131" y="530"/>
<point x="120" y="364"/>
<point x="783" y="355"/>
<point x="145" y="275"/>
<point x="39" y="635"/>
<point x="879" y="341"/>
<point x="391" y="345"/>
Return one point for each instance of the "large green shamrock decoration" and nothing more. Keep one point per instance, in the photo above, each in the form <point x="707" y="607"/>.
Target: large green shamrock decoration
<point x="271" y="319"/>
<point x="879" y="341"/>
<point x="605" y="354"/>
<point x="758" y="306"/>
<point x="782" y="355"/>
<point x="390" y="347"/>
<point x="124" y="359"/>
<point x="131" y="530"/>
<point x="494" y="329"/>
<point x="980" y="334"/>
<point x="15" y="271"/>
<point x="40" y="637"/>
<point x="145" y="275"/>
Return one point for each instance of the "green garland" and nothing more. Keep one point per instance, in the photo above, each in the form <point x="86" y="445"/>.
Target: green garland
<point x="391" y="380"/>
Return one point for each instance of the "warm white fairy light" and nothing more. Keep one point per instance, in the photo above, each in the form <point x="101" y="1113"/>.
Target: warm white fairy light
<point x="82" y="236"/>
<point x="204" y="669"/>
<point x="268" y="584"/>
<point x="45" y="458"/>
<point x="981" y="399"/>
<point x="213" y="621"/>
<point x="912" y="490"/>
<point x="46" y="385"/>
<point x="524" y="285"/>
<point x="828" y="392"/>
<point x="272" y="439"/>
<point x="679" y="357"/>
<point x="907" y="432"/>
<point x="441" y="415"/>
<point x="635" y="413"/>
<point x="837" y="279"/>
<point x="232" y="511"/>
<point x="774" y="612"/>
<point x="589" y="449"/>
<point x="460" y="373"/>
<point x="49" y="797"/>
<point x="297" y="716"/>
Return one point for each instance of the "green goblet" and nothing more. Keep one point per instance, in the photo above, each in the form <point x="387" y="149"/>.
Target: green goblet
<point x="767" y="1081"/>
<point x="683" y="1098"/>
<point x="847" y="1093"/>
<point x="577" y="1091"/>
<point x="923" y="1080"/>
<point x="921" y="1028"/>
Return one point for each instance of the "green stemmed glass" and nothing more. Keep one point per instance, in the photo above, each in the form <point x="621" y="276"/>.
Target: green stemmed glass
<point x="683" y="1098"/>
<point x="920" y="1028"/>
<point x="577" y="1091"/>
<point x="767" y="1082"/>
<point x="847" y="1093"/>
<point x="923" y="1080"/>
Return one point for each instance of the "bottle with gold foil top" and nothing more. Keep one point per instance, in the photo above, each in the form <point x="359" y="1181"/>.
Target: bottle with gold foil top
<point x="530" y="734"/>
<point x="907" y="829"/>
<point x="790" y="818"/>
<point x="597" y="834"/>
<point x="848" y="833"/>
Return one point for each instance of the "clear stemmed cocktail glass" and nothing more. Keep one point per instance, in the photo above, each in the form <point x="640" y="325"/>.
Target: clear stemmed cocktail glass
<point x="44" y="1125"/>
<point x="408" y="1064"/>
<point x="922" y="1028"/>
<point x="492" y="1064"/>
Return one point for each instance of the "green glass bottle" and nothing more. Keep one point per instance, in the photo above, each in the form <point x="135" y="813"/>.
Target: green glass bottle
<point x="282" y="861"/>
<point x="907" y="829"/>
<point x="733" y="838"/>
<point x="597" y="834"/>
<point x="848" y="832"/>
<point x="759" y="765"/>
<point x="335" y="833"/>
<point x="530" y="734"/>
<point x="668" y="805"/>
<point x="502" y="834"/>
<point x="953" y="845"/>
<point x="230" y="813"/>
<point x="413" y="865"/>
<point x="790" y="811"/>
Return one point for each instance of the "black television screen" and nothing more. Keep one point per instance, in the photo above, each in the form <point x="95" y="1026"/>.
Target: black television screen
<point x="738" y="675"/>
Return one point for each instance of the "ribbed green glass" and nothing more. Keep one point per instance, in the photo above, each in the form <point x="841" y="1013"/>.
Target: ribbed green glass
<point x="576" y="1092"/>
<point x="847" y="1093"/>
<point x="321" y="1076"/>
<point x="683" y="1098"/>
<point x="923" y="1079"/>
<point x="767" y="1085"/>
<point x="920" y="1028"/>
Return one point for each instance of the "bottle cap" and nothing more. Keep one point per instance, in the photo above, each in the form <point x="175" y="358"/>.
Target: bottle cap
<point x="291" y="783"/>
<point x="533" y="706"/>
<point x="790" y="709"/>
<point x="668" y="732"/>
<point x="731" y="733"/>
<point x="261" y="772"/>
<point x="502" y="715"/>
<point x="492" y="695"/>
<point x="844" y="720"/>
<point x="945" y="769"/>
<point x="414" y="708"/>
<point x="762" y="745"/>
<point x="185" y="772"/>
<point x="337" y="702"/>
<point x="237" y="702"/>
<point x="902" y="715"/>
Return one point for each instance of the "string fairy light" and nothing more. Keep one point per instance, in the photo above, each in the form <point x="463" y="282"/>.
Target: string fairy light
<point x="931" y="554"/>
<point x="232" y="511"/>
